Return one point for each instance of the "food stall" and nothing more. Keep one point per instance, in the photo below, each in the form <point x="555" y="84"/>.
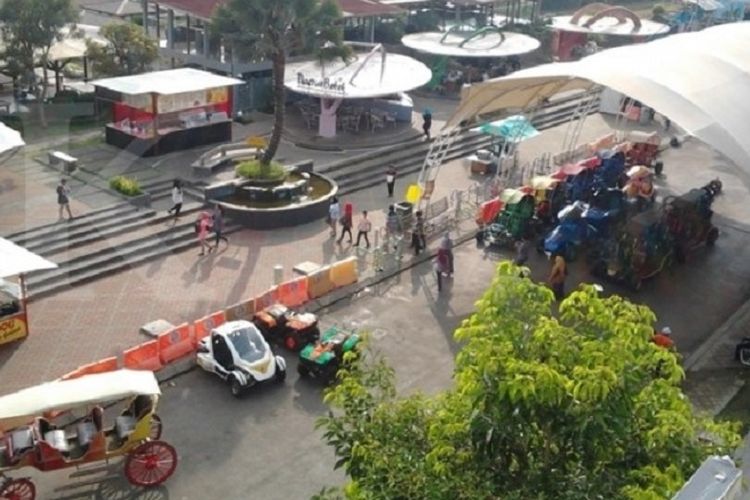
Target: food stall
<point x="165" y="111"/>
<point x="16" y="261"/>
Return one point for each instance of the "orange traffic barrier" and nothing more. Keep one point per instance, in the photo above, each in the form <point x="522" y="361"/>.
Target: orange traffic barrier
<point x="344" y="273"/>
<point x="267" y="299"/>
<point x="176" y="343"/>
<point x="203" y="326"/>
<point x="319" y="283"/>
<point x="143" y="357"/>
<point x="104" y="365"/>
<point x="293" y="293"/>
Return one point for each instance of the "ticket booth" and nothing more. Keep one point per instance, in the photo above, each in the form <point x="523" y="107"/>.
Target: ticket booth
<point x="15" y="262"/>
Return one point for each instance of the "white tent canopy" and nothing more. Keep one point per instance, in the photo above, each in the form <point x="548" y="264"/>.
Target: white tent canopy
<point x="19" y="408"/>
<point x="488" y="45"/>
<point x="15" y="260"/>
<point x="172" y="81"/>
<point x="699" y="80"/>
<point x="10" y="139"/>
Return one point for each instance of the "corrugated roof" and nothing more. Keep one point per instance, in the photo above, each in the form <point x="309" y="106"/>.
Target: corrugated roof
<point x="367" y="8"/>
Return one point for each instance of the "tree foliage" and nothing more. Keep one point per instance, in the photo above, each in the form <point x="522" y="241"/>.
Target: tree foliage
<point x="129" y="50"/>
<point x="575" y="405"/>
<point x="274" y="29"/>
<point x="29" y="29"/>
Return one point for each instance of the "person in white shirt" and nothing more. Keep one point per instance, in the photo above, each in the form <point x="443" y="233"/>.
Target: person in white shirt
<point x="390" y="180"/>
<point x="363" y="229"/>
<point x="176" y="198"/>
<point x="334" y="214"/>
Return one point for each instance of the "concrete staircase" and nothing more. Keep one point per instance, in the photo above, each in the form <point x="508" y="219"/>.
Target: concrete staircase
<point x="109" y="240"/>
<point x="118" y="237"/>
<point x="366" y="170"/>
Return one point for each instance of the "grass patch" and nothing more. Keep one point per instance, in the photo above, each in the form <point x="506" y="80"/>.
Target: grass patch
<point x="252" y="169"/>
<point x="125" y="185"/>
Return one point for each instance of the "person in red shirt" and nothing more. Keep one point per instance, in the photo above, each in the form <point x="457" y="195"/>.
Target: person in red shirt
<point x="663" y="338"/>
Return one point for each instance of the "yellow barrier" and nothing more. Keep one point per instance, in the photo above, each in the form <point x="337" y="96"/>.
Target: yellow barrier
<point x="344" y="273"/>
<point x="319" y="283"/>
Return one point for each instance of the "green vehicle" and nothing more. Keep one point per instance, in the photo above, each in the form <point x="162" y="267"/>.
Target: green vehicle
<point x="323" y="358"/>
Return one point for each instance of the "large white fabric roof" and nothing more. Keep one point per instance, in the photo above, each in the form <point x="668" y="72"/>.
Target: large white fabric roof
<point x="172" y="81"/>
<point x="21" y="407"/>
<point x="490" y="45"/>
<point x="15" y="260"/>
<point x="700" y="80"/>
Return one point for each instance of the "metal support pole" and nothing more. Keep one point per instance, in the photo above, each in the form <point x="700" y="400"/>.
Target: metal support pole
<point x="144" y="4"/>
<point x="170" y="29"/>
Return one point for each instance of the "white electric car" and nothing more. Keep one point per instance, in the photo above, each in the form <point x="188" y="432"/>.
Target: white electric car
<point x="238" y="354"/>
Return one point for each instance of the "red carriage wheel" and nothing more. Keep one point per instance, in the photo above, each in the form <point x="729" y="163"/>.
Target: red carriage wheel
<point x="155" y="430"/>
<point x="151" y="463"/>
<point x="18" y="489"/>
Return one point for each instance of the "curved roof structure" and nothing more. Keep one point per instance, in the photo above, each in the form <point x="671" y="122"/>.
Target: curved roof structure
<point x="699" y="80"/>
<point x="489" y="43"/>
<point x="603" y="19"/>
<point x="365" y="75"/>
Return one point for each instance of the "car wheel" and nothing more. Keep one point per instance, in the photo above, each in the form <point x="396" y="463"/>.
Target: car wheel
<point x="280" y="375"/>
<point x="235" y="387"/>
<point x="290" y="342"/>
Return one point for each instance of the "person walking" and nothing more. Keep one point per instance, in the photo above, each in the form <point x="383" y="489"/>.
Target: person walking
<point x="218" y="226"/>
<point x="334" y="214"/>
<point x="202" y="227"/>
<point x="390" y="180"/>
<point x="522" y="250"/>
<point x="363" y="229"/>
<point x="392" y="226"/>
<point x="557" y="275"/>
<point x="63" y="199"/>
<point x="446" y="245"/>
<point x="346" y="222"/>
<point x="418" y="240"/>
<point x="442" y="266"/>
<point x="427" y="122"/>
<point x="176" y="198"/>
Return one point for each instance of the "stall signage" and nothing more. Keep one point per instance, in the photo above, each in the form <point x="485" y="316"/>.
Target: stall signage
<point x="337" y="86"/>
<point x="12" y="329"/>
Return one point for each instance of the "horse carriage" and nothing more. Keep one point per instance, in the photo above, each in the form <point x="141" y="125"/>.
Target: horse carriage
<point x="38" y="429"/>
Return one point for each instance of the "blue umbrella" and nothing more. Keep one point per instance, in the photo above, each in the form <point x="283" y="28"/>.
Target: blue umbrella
<point x="513" y="129"/>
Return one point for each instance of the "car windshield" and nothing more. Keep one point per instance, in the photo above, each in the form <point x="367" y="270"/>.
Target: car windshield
<point x="248" y="344"/>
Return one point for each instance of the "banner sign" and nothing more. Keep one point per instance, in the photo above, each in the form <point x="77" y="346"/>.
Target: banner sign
<point x="11" y="329"/>
<point x="337" y="86"/>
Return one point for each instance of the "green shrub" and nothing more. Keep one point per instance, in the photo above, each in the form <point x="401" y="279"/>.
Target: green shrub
<point x="252" y="169"/>
<point x="125" y="185"/>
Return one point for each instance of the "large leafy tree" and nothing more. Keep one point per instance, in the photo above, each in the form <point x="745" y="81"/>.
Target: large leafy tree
<point x="128" y="51"/>
<point x="273" y="29"/>
<point x="29" y="29"/>
<point x="575" y="405"/>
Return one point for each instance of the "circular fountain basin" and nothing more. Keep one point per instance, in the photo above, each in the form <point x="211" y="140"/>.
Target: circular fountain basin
<point x="303" y="197"/>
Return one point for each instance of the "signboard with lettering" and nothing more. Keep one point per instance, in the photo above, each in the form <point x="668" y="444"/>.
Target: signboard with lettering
<point x="13" y="328"/>
<point x="334" y="86"/>
<point x="178" y="102"/>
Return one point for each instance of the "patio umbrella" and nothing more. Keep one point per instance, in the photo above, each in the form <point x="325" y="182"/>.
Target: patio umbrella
<point x="638" y="172"/>
<point x="513" y="129"/>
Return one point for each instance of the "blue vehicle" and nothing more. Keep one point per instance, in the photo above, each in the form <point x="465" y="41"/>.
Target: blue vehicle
<point x="582" y="223"/>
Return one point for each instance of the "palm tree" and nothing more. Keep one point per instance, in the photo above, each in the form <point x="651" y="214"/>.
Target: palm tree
<point x="272" y="29"/>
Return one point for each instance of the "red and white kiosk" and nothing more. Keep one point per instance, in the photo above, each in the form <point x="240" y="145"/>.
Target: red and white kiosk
<point x="164" y="111"/>
<point x="16" y="261"/>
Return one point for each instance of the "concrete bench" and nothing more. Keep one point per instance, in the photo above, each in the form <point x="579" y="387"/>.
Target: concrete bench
<point x="68" y="162"/>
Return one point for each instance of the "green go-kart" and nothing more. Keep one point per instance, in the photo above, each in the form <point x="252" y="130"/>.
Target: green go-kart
<point x="322" y="359"/>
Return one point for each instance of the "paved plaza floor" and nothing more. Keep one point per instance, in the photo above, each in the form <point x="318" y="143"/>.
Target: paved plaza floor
<point x="266" y="442"/>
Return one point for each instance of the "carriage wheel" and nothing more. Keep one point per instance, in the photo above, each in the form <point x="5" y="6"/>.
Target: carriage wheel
<point x="18" y="489"/>
<point x="151" y="463"/>
<point x="155" y="431"/>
